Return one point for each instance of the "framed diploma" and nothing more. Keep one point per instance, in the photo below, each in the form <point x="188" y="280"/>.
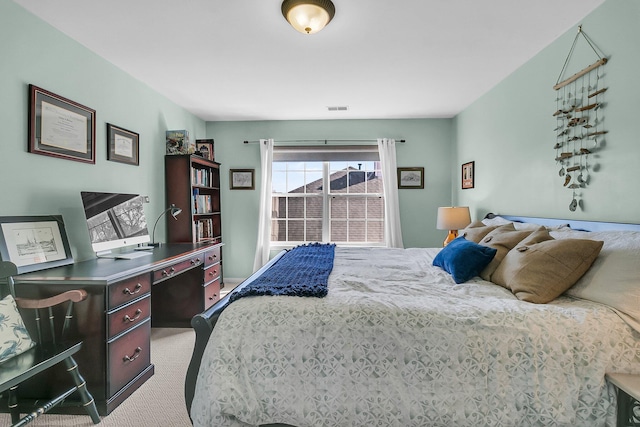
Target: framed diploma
<point x="122" y="145"/>
<point x="59" y="127"/>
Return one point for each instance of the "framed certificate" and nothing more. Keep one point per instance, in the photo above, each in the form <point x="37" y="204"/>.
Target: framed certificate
<point x="122" y="145"/>
<point x="59" y="127"/>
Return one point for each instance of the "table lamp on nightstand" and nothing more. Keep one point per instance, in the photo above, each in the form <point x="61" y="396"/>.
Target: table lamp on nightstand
<point x="452" y="219"/>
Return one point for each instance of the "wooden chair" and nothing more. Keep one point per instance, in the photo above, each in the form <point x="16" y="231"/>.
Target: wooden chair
<point x="49" y="350"/>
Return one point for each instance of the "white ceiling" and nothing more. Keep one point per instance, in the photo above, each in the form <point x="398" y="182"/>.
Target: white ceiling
<point x="240" y="60"/>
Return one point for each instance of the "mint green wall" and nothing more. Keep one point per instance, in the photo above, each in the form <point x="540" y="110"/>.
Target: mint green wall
<point x="509" y="131"/>
<point x="32" y="52"/>
<point x="428" y="144"/>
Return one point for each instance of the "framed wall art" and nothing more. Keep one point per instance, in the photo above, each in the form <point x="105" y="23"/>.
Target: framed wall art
<point x="59" y="127"/>
<point x="241" y="179"/>
<point x="411" y="177"/>
<point x="123" y="145"/>
<point x="34" y="243"/>
<point x="205" y="148"/>
<point x="468" y="171"/>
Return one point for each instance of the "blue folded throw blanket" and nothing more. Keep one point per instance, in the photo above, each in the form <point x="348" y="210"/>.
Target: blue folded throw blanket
<point x="302" y="271"/>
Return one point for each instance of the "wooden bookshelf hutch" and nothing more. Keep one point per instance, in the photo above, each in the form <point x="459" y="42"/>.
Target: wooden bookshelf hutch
<point x="193" y="184"/>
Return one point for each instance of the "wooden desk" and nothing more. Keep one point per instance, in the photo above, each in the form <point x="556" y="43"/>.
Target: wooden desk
<point x="126" y="297"/>
<point x="628" y="386"/>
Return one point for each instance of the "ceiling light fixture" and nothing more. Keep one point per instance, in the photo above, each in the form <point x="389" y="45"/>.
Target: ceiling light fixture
<point x="308" y="16"/>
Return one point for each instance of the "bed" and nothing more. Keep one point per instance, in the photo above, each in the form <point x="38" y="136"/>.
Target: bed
<point x="398" y="341"/>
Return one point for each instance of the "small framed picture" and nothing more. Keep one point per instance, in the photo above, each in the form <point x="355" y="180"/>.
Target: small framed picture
<point x="467" y="175"/>
<point x="205" y="148"/>
<point x="59" y="127"/>
<point x="122" y="145"/>
<point x="241" y="179"/>
<point x="34" y="243"/>
<point x="411" y="177"/>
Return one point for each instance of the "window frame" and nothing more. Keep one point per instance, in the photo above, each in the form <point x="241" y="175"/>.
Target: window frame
<point x="327" y="197"/>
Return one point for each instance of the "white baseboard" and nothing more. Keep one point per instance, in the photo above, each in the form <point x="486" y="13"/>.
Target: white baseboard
<point x="229" y="284"/>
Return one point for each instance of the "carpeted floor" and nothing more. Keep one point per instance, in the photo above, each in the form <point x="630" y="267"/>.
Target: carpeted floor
<point x="159" y="402"/>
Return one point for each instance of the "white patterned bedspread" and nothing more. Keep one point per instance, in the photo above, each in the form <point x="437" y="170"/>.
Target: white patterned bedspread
<point x="397" y="343"/>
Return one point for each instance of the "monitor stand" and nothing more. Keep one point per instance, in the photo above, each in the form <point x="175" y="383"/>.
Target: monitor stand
<point x="121" y="255"/>
<point x="145" y="247"/>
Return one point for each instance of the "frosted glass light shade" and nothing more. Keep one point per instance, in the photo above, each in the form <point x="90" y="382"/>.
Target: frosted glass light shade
<point x="308" y="16"/>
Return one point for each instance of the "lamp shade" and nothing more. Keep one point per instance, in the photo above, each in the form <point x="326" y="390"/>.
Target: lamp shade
<point x="308" y="16"/>
<point x="453" y="218"/>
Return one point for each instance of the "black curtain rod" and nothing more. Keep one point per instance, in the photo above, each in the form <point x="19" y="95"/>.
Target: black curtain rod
<point x="402" y="141"/>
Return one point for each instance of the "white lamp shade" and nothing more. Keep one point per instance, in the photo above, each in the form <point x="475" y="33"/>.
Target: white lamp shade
<point x="453" y="218"/>
<point x="308" y="18"/>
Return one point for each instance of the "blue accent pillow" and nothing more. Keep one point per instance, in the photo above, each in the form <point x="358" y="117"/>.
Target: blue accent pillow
<point x="464" y="259"/>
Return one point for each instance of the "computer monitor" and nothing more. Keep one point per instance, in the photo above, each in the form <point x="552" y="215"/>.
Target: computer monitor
<point x="115" y="220"/>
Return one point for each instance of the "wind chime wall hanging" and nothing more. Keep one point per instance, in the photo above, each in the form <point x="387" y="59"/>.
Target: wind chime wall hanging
<point x="580" y="122"/>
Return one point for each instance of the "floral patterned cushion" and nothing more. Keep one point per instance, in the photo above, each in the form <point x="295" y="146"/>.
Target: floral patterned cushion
<point x="14" y="338"/>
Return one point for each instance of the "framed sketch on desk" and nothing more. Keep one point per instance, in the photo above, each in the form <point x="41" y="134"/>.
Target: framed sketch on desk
<point x="34" y="243"/>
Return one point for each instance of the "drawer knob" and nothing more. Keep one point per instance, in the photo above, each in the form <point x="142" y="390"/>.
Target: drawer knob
<point x="212" y="257"/>
<point x="134" y="318"/>
<point x="213" y="273"/>
<point x="168" y="273"/>
<point x="195" y="261"/>
<point x="213" y="297"/>
<point x="136" y="354"/>
<point x="128" y="291"/>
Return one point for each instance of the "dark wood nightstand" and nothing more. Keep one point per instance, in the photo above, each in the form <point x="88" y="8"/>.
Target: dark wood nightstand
<point x="628" y="386"/>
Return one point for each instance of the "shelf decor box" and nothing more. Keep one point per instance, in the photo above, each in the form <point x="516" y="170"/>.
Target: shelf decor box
<point x="178" y="142"/>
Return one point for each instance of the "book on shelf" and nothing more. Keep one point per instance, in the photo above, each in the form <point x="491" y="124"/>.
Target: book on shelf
<point x="201" y="202"/>
<point x="201" y="177"/>
<point x="203" y="229"/>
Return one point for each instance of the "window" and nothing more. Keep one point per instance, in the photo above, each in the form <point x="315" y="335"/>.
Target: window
<point x="337" y="201"/>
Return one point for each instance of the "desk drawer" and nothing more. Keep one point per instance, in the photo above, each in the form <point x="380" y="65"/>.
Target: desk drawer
<point x="212" y="273"/>
<point x="129" y="289"/>
<point x="128" y="355"/>
<point x="177" y="268"/>
<point x="211" y="293"/>
<point x="212" y="257"/>
<point x="128" y="316"/>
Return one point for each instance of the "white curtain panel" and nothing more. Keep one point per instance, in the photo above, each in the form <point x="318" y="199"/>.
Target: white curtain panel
<point x="392" y="228"/>
<point x="264" y="218"/>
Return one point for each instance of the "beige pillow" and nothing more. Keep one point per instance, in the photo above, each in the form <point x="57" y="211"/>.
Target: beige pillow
<point x="475" y="231"/>
<point x="503" y="239"/>
<point x="540" y="268"/>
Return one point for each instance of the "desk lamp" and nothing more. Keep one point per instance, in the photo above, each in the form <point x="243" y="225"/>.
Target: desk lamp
<point x="452" y="219"/>
<point x="175" y="211"/>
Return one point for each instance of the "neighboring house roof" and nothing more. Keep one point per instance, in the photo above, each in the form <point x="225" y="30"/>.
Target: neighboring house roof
<point x="360" y="182"/>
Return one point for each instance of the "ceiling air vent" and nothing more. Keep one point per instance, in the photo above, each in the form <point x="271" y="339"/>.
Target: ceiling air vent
<point x="338" y="108"/>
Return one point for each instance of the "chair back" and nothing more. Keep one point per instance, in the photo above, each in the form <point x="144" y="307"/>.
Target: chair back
<point x="40" y="315"/>
<point x="7" y="271"/>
